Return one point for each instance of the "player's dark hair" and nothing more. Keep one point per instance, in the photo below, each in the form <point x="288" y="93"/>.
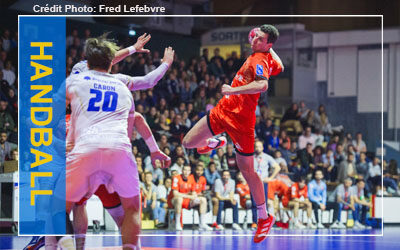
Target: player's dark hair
<point x="272" y="32"/>
<point x="100" y="52"/>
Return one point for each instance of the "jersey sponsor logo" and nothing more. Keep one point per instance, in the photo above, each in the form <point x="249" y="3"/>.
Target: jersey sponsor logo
<point x="87" y="78"/>
<point x="259" y="70"/>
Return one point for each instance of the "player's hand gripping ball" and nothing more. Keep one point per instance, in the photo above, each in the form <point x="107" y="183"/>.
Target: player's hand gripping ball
<point x="252" y="34"/>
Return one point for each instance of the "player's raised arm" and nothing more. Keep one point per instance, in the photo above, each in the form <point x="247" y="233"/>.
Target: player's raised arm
<point x="137" y="47"/>
<point x="276" y="58"/>
<point x="151" y="79"/>
<point x="254" y="87"/>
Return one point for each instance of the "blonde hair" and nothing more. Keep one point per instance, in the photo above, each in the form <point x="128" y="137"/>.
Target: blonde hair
<point x="100" y="52"/>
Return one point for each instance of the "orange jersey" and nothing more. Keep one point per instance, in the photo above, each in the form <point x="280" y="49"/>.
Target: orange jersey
<point x="181" y="186"/>
<point x="242" y="190"/>
<point x="296" y="192"/>
<point x="257" y="66"/>
<point x="277" y="187"/>
<point x="199" y="186"/>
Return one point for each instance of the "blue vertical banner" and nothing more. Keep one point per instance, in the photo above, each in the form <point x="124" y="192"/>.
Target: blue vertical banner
<point x="42" y="125"/>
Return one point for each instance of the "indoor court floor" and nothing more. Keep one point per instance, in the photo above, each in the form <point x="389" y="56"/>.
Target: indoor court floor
<point x="189" y="239"/>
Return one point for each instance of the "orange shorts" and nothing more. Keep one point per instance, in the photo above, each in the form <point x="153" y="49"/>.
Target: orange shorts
<point x="185" y="203"/>
<point x="241" y="133"/>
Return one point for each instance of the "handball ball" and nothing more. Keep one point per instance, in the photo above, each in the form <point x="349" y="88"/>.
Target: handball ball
<point x="252" y="34"/>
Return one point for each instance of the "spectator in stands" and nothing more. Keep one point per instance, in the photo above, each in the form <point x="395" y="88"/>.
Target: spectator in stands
<point x="158" y="174"/>
<point x="8" y="73"/>
<point x="359" y="144"/>
<point x="272" y="142"/>
<point x="5" y="40"/>
<point x="211" y="174"/>
<point x="306" y="138"/>
<point x="266" y="129"/>
<point x="138" y="141"/>
<point x="284" y="148"/>
<point x="318" y="160"/>
<point x="306" y="161"/>
<point x="178" y="165"/>
<point x="283" y="136"/>
<point x="5" y="149"/>
<point x="328" y="165"/>
<point x="303" y="110"/>
<point x="139" y="164"/>
<point x="217" y="56"/>
<point x="180" y="152"/>
<point x="220" y="160"/>
<point x="333" y="143"/>
<point x="150" y="205"/>
<point x="216" y="68"/>
<point x="362" y="166"/>
<point x="204" y="56"/>
<point x="317" y="195"/>
<point x="162" y="193"/>
<point x="224" y="190"/>
<point x="291" y="119"/>
<point x="360" y="203"/>
<point x="347" y="169"/>
<point x="319" y="138"/>
<point x="183" y="195"/>
<point x="326" y="126"/>
<point x="6" y="121"/>
<point x="374" y="173"/>
<point x="293" y="152"/>
<point x="311" y="121"/>
<point x="351" y="150"/>
<point x="297" y="198"/>
<point x="389" y="177"/>
<point x="230" y="157"/>
<point x="177" y="130"/>
<point x="262" y="164"/>
<point x="243" y="189"/>
<point x="342" y="196"/>
<point x="339" y="156"/>
<point x="281" y="162"/>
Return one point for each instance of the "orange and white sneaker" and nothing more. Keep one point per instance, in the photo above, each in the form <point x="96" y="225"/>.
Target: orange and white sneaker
<point x="204" y="150"/>
<point x="263" y="228"/>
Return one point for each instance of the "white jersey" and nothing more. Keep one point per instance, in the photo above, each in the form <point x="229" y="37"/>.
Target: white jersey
<point x="100" y="105"/>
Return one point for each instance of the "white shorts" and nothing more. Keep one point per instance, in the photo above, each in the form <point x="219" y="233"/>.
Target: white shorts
<point x="86" y="171"/>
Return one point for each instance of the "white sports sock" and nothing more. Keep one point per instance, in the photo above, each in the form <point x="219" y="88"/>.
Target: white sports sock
<point x="309" y="221"/>
<point x="262" y="211"/>
<point x="202" y="219"/>
<point x="131" y="246"/>
<point x="214" y="218"/>
<point x="213" y="142"/>
<point x="178" y="221"/>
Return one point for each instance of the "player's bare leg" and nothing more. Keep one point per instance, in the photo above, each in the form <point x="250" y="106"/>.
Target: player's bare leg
<point x="265" y="222"/>
<point x="201" y="137"/>
<point x="80" y="223"/>
<point x="197" y="137"/>
<point x="202" y="212"/>
<point x="131" y="225"/>
<point x="177" y="202"/>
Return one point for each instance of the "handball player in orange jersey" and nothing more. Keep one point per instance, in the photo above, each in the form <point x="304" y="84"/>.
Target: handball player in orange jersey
<point x="235" y="115"/>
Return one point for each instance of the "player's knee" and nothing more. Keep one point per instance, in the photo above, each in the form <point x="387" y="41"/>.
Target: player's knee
<point x="186" y="142"/>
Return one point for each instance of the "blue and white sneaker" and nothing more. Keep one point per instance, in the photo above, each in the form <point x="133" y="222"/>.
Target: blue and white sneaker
<point x="36" y="243"/>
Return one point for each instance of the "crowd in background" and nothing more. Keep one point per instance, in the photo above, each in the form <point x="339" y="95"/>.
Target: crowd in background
<point x="299" y="149"/>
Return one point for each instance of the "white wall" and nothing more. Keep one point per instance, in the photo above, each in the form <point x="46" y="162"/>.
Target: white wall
<point x="342" y="68"/>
